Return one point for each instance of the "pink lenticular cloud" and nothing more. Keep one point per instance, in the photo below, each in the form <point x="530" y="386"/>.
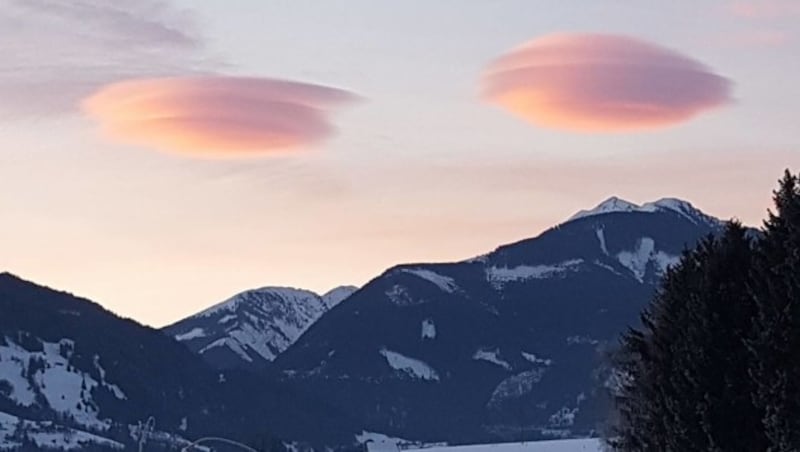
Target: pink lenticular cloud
<point x="602" y="83"/>
<point x="765" y="9"/>
<point x="216" y="116"/>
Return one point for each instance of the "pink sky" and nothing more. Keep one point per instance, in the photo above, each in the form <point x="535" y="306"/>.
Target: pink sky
<point x="421" y="169"/>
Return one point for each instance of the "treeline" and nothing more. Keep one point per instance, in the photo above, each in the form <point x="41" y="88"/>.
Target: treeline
<point x="715" y="365"/>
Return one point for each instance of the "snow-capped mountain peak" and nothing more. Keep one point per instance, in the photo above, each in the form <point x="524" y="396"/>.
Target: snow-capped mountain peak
<point x="679" y="206"/>
<point x="261" y="295"/>
<point x="256" y="325"/>
<point x="612" y="204"/>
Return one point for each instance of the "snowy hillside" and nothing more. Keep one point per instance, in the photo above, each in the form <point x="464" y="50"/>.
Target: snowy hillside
<point x="47" y="375"/>
<point x="252" y="328"/>
<point x="43" y="435"/>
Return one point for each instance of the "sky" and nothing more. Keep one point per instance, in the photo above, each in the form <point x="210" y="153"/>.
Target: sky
<point x="159" y="156"/>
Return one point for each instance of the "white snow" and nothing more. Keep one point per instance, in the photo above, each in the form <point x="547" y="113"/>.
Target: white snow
<point x="13" y="360"/>
<point x="287" y="293"/>
<point x="530" y="357"/>
<point x="516" y="385"/>
<point x="608" y="267"/>
<point x="227" y="318"/>
<point x="400" y="296"/>
<point x="70" y="439"/>
<point x="191" y="334"/>
<point x="265" y="321"/>
<point x="410" y="366"/>
<point x="601" y="237"/>
<point x="561" y="445"/>
<point x="336" y="295"/>
<point x="663" y="261"/>
<point x="612" y="204"/>
<point x="66" y="389"/>
<point x="499" y="276"/>
<point x="379" y="441"/>
<point x="47" y="435"/>
<point x="564" y="417"/>
<point x="231" y="344"/>
<point x="682" y="208"/>
<point x="445" y="283"/>
<point x="8" y="424"/>
<point x="576" y="340"/>
<point x="491" y="356"/>
<point x="428" y="329"/>
<point x="645" y="252"/>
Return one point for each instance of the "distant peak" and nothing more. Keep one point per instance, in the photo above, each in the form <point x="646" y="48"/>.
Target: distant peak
<point x="612" y="204"/>
<point x="337" y="295"/>
<point x="287" y="294"/>
<point x="679" y="206"/>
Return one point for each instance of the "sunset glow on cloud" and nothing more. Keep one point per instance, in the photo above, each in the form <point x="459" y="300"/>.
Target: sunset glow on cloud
<point x="216" y="116"/>
<point x="602" y="83"/>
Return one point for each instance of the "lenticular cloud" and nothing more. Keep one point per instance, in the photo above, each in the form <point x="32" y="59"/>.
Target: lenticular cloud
<point x="602" y="83"/>
<point x="216" y="116"/>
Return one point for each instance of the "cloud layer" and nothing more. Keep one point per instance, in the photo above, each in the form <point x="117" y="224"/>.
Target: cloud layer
<point x="56" y="52"/>
<point x="601" y="83"/>
<point x="216" y="116"/>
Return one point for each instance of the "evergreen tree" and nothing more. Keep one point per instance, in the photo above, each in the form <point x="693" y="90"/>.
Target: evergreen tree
<point x="775" y="346"/>
<point x="685" y="382"/>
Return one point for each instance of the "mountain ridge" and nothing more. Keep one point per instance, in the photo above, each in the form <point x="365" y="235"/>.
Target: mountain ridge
<point x="253" y="327"/>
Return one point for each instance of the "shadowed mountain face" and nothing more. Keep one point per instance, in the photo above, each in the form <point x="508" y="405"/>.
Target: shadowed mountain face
<point x="251" y="328"/>
<point x="66" y="360"/>
<point x="507" y="345"/>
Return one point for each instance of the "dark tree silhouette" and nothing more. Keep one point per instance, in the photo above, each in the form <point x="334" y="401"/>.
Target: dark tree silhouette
<point x="775" y="347"/>
<point x="684" y="376"/>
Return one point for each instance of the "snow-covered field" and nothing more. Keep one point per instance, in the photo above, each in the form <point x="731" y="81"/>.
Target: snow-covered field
<point x="562" y="445"/>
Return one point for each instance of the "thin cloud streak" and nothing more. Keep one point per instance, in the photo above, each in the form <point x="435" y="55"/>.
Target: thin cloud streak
<point x="602" y="83"/>
<point x="216" y="116"/>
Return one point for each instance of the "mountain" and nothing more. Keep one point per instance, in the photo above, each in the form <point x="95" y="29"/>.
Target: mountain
<point x="252" y="328"/>
<point x="74" y="374"/>
<point x="506" y="346"/>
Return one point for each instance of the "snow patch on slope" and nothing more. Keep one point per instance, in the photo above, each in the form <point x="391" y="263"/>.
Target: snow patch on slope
<point x="428" y="329"/>
<point x="409" y="366"/>
<point x="191" y="334"/>
<point x="531" y="358"/>
<point x="645" y="252"/>
<point x="445" y="283"/>
<point x="601" y="237"/>
<point x="492" y="356"/>
<point x="516" y="386"/>
<point x="399" y="296"/>
<point x="499" y="276"/>
<point x="231" y="344"/>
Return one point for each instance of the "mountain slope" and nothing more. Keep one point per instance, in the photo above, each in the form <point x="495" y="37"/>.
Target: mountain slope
<point x="67" y="362"/>
<point x="505" y="345"/>
<point x="252" y="328"/>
